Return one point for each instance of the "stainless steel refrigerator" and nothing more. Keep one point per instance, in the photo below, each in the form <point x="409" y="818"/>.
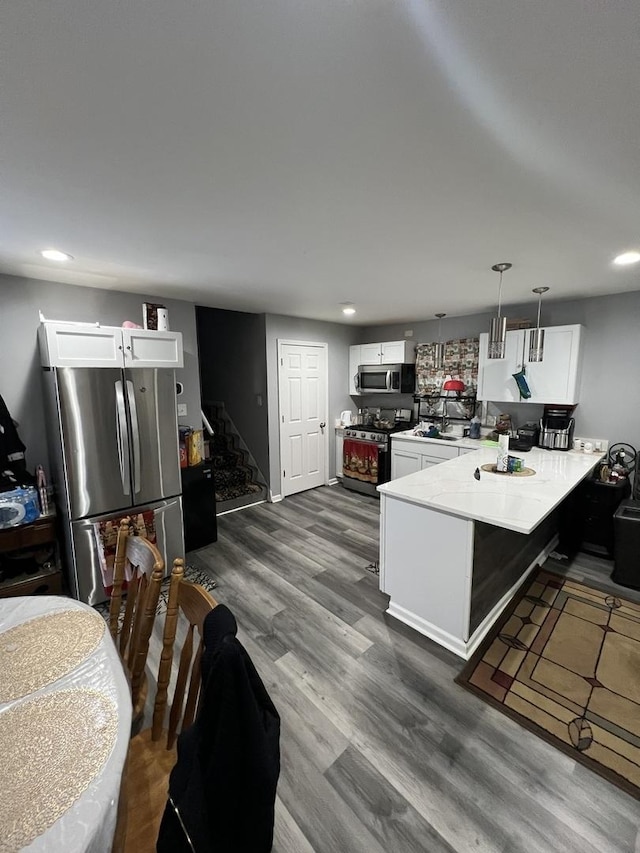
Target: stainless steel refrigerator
<point x="114" y="448"/>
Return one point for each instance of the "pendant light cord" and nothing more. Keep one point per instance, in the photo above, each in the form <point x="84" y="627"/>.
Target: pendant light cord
<point x="500" y="294"/>
<point x="539" y="305"/>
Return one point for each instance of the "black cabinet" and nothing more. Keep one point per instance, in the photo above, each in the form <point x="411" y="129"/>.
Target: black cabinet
<point x="626" y="522"/>
<point x="586" y="518"/>
<point x="199" y="506"/>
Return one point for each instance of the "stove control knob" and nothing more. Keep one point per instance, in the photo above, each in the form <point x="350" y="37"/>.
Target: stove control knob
<point x="363" y="435"/>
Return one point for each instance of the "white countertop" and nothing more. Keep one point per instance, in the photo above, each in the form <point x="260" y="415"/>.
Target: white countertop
<point x="515" y="503"/>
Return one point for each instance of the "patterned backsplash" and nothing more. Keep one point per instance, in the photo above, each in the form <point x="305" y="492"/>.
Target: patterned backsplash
<point x="460" y="362"/>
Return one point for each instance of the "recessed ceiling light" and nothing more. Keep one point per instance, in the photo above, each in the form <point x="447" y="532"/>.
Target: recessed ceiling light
<point x="56" y="255"/>
<point x="627" y="258"/>
<point x="348" y="308"/>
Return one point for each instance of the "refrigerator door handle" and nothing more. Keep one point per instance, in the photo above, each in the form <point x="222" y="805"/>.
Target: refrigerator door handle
<point x="135" y="435"/>
<point x="121" y="433"/>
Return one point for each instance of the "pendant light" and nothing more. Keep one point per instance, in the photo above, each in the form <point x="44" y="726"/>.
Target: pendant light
<point x="438" y="348"/>
<point x="536" y="336"/>
<point x="498" y="328"/>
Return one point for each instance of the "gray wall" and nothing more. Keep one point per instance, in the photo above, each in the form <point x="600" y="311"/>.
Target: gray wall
<point x="20" y="379"/>
<point x="610" y="394"/>
<point x="339" y="338"/>
<point x="233" y="370"/>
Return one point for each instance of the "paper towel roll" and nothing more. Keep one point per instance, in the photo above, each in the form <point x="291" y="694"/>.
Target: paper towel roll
<point x="502" y="463"/>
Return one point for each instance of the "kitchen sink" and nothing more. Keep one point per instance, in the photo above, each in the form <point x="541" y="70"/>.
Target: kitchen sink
<point x="448" y="437"/>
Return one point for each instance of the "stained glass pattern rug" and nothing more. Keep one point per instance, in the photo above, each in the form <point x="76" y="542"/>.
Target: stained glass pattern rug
<point x="564" y="661"/>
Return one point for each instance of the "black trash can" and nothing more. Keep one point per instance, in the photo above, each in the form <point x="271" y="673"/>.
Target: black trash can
<point x="626" y="522"/>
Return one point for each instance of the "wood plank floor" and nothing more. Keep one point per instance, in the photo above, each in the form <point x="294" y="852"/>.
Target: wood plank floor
<point x="381" y="750"/>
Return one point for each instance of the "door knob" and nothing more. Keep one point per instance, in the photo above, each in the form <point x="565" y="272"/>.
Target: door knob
<point x="322" y="425"/>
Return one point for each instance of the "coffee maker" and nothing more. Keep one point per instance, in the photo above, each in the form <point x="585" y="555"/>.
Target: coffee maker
<point x="556" y="428"/>
<point x="527" y="437"/>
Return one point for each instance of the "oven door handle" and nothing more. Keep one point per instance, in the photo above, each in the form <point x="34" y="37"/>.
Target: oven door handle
<point x="388" y="380"/>
<point x="380" y="445"/>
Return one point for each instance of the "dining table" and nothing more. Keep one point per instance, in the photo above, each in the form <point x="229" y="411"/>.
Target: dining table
<point x="65" y="724"/>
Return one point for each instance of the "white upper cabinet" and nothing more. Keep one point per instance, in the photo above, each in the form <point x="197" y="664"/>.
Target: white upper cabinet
<point x="146" y="348"/>
<point x="66" y="345"/>
<point x="390" y="352"/>
<point x="398" y="352"/>
<point x="556" y="379"/>
<point x="354" y="361"/>
<point x="495" y="375"/>
<point x="370" y="354"/>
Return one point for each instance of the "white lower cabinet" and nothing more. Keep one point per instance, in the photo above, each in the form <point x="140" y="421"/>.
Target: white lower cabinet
<point x="404" y="462"/>
<point x="339" y="446"/>
<point x="409" y="456"/>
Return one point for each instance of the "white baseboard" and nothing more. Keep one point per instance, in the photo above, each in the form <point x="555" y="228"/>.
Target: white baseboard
<point x="333" y="481"/>
<point x="274" y="499"/>
<point x="443" y="638"/>
<point x="239" y="508"/>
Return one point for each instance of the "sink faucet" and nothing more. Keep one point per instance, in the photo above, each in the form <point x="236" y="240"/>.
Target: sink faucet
<point x="444" y="422"/>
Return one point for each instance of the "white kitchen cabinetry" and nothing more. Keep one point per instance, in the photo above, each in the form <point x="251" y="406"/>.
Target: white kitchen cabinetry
<point x="408" y="456"/>
<point x="370" y="354"/>
<point x="556" y="379"/>
<point x="354" y="361"/>
<point x="398" y="352"/>
<point x="404" y="461"/>
<point x="495" y="375"/>
<point x="389" y="352"/>
<point x="66" y="345"/>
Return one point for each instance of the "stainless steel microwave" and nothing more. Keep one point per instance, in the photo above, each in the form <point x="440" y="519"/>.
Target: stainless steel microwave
<point x="386" y="379"/>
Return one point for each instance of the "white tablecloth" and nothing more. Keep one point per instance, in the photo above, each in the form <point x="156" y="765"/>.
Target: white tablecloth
<point x="89" y="824"/>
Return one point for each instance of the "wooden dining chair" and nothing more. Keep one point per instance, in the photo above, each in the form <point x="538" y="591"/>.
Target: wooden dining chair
<point x="152" y="753"/>
<point x="132" y="632"/>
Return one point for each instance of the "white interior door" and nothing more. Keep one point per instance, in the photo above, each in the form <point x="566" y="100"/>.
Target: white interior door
<point x="302" y="382"/>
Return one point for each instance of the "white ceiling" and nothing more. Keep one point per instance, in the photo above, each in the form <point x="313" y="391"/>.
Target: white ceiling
<point x="290" y="155"/>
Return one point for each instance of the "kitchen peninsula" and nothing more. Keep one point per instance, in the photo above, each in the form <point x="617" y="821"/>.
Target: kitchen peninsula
<point x="454" y="548"/>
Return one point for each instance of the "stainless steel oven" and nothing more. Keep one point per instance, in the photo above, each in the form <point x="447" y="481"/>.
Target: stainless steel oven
<point x="366" y="459"/>
<point x="386" y="379"/>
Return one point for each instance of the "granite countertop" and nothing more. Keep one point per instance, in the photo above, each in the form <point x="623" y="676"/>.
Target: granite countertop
<point x="515" y="503"/>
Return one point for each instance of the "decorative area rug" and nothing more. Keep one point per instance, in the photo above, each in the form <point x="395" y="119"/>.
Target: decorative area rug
<point x="564" y="661"/>
<point x="190" y="574"/>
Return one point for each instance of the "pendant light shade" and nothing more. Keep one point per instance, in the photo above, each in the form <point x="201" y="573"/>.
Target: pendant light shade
<point x="438" y="348"/>
<point x="536" y="336"/>
<point x="498" y="327"/>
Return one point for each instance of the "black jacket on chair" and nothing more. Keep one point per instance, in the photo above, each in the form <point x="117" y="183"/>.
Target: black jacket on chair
<point x="223" y="787"/>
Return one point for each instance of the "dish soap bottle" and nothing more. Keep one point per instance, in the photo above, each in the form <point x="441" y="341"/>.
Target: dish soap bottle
<point x="474" y="427"/>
